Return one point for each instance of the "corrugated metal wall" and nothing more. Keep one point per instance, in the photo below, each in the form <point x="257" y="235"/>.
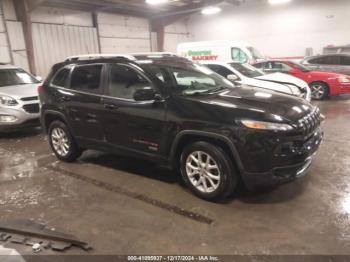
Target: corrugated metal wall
<point x="4" y="47"/>
<point x="53" y="43"/>
<point x="123" y="34"/>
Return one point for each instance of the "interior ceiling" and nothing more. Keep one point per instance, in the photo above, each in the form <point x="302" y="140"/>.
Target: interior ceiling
<point x="137" y="7"/>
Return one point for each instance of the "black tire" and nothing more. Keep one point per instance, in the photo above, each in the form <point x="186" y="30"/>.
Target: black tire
<point x="227" y="172"/>
<point x="319" y="90"/>
<point x="73" y="150"/>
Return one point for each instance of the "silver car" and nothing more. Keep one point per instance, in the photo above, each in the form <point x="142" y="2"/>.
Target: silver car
<point x="19" y="102"/>
<point x="336" y="63"/>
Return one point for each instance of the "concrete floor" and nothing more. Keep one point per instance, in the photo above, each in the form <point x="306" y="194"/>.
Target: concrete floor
<point x="127" y="206"/>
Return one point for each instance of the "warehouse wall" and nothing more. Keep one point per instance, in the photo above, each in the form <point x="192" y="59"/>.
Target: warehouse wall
<point x="281" y="30"/>
<point x="12" y="42"/>
<point x="123" y="34"/>
<point x="59" y="33"/>
<point x="4" y="46"/>
<point x="174" y="34"/>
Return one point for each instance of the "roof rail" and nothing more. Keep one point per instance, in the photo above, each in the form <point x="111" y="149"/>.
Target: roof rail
<point x="97" y="56"/>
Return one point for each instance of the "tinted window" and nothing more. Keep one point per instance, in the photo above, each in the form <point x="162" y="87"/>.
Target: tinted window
<point x="61" y="78"/>
<point x="124" y="81"/>
<point x="87" y="78"/>
<point x="316" y="60"/>
<point x="331" y="60"/>
<point x="247" y="70"/>
<point x="221" y="70"/>
<point x="277" y="67"/>
<point x="9" y="77"/>
<point x="345" y="60"/>
<point x="238" y="55"/>
<point x="260" y="65"/>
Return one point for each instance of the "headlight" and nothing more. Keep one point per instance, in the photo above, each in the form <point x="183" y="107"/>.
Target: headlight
<point x="7" y="101"/>
<point x="343" y="79"/>
<point x="265" y="125"/>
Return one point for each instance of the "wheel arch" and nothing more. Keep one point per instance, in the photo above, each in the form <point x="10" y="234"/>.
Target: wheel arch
<point x="190" y="136"/>
<point x="50" y="116"/>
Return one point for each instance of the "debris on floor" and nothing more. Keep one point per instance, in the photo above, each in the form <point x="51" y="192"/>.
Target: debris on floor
<point x="27" y="232"/>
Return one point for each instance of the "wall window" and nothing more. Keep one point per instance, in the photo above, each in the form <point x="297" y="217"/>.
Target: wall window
<point x="124" y="81"/>
<point x="61" y="78"/>
<point x="87" y="78"/>
<point x="238" y="55"/>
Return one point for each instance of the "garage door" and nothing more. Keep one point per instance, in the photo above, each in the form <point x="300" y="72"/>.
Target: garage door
<point x="53" y="43"/>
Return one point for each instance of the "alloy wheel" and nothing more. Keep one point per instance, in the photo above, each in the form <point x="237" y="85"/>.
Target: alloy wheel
<point x="317" y="91"/>
<point x="60" y="141"/>
<point x="203" y="172"/>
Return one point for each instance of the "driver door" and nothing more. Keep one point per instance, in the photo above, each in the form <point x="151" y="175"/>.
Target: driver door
<point x="130" y="124"/>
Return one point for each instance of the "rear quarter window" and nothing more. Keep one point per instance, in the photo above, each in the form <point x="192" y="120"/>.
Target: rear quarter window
<point x="61" y="78"/>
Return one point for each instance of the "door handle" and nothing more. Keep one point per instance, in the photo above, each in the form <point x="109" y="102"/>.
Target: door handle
<point x="110" y="106"/>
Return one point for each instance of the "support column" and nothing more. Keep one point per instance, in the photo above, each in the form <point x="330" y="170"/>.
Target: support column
<point x="23" y="15"/>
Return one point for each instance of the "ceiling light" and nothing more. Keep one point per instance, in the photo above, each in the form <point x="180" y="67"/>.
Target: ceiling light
<point x="156" y="2"/>
<point x="211" y="10"/>
<point x="276" y="2"/>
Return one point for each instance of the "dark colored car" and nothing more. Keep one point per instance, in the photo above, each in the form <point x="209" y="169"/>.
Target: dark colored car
<point x="181" y="115"/>
<point x="322" y="84"/>
<point x="337" y="63"/>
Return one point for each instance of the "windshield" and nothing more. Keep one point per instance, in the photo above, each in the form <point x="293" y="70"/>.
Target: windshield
<point x="188" y="78"/>
<point x="11" y="77"/>
<point x="247" y="70"/>
<point x="255" y="53"/>
<point x="300" y="67"/>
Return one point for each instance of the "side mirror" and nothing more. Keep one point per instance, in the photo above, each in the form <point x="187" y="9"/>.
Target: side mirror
<point x="232" y="77"/>
<point x="39" y="78"/>
<point x="145" y="94"/>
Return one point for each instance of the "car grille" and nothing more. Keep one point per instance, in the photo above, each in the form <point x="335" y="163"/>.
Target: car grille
<point x="310" y="123"/>
<point x="32" y="108"/>
<point x="32" y="98"/>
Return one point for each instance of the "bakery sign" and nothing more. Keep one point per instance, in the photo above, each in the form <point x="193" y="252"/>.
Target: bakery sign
<point x="201" y="55"/>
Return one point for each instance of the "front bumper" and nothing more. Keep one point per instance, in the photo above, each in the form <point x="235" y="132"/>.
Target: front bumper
<point x="23" y="119"/>
<point x="286" y="173"/>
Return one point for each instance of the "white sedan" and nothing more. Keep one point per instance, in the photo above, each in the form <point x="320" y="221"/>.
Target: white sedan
<point x="249" y="75"/>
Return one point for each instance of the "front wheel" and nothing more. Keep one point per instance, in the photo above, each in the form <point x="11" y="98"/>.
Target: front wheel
<point x="319" y="90"/>
<point x="62" y="142"/>
<point x="208" y="171"/>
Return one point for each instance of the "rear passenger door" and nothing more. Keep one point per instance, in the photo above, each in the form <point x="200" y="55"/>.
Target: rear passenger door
<point x="81" y="101"/>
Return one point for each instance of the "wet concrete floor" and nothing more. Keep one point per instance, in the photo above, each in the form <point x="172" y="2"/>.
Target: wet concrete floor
<point x="127" y="206"/>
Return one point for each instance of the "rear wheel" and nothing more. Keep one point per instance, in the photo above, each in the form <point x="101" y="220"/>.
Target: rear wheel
<point x="208" y="171"/>
<point x="319" y="90"/>
<point x="62" y="142"/>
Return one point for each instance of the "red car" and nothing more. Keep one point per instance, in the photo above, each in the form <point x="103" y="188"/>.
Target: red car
<point x="322" y="84"/>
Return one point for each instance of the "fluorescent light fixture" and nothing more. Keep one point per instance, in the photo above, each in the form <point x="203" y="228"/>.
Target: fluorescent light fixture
<point x="211" y="10"/>
<point x="156" y="2"/>
<point x="276" y="2"/>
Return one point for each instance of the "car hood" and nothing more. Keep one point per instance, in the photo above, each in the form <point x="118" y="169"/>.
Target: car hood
<point x="284" y="79"/>
<point x="260" y="103"/>
<point x="20" y="91"/>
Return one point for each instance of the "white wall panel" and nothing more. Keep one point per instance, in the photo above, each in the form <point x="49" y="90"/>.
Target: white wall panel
<point x="17" y="43"/>
<point x="61" y="16"/>
<point x="9" y="10"/>
<point x="123" y="34"/>
<point x="174" y="34"/>
<point x="53" y="43"/>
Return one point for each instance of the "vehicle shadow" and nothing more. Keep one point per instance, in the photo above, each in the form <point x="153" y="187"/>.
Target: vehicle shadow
<point x="143" y="168"/>
<point x="18" y="134"/>
<point x="137" y="167"/>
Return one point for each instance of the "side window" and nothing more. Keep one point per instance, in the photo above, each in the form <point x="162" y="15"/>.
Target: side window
<point x="124" y="81"/>
<point x="345" y="60"/>
<point x="280" y="67"/>
<point x="259" y="66"/>
<point x="331" y="60"/>
<point x="61" y="78"/>
<point x="238" y="55"/>
<point x="87" y="78"/>
<point x="221" y="70"/>
<point x="317" y="61"/>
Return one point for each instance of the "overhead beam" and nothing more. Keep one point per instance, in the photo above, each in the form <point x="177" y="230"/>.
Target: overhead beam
<point x="33" y="4"/>
<point x="23" y="14"/>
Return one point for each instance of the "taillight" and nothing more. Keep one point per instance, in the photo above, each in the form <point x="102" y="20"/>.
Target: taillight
<point x="40" y="89"/>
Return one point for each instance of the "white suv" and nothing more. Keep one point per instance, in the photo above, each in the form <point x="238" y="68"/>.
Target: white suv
<point x="249" y="75"/>
<point x="19" y="102"/>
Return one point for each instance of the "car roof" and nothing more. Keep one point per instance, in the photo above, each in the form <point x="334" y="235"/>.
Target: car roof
<point x="317" y="56"/>
<point x="7" y="66"/>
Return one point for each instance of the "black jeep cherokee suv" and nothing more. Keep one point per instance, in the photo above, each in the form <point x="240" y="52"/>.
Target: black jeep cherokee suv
<point x="181" y="115"/>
